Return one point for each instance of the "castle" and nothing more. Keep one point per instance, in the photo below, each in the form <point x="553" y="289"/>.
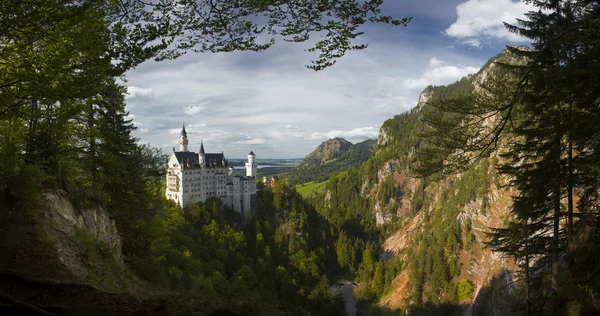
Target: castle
<point x="194" y="177"/>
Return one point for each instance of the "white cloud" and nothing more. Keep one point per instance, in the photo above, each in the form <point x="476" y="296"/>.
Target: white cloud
<point x="472" y="42"/>
<point x="439" y="73"/>
<point x="271" y="103"/>
<point x="435" y="63"/>
<point x="255" y="141"/>
<point x="484" y="19"/>
<point x="393" y="95"/>
<point x="357" y="133"/>
<point x="134" y="92"/>
<point x="191" y="110"/>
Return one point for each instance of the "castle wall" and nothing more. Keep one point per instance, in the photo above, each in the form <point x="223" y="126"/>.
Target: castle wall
<point x="185" y="186"/>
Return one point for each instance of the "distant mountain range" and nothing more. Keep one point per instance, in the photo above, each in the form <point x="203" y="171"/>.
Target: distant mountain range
<point x="330" y="157"/>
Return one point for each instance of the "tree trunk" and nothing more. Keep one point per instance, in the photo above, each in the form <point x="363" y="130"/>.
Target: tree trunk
<point x="92" y="140"/>
<point x="32" y="130"/>
<point x="570" y="228"/>
<point x="556" y="219"/>
<point x="527" y="267"/>
<point x="570" y="181"/>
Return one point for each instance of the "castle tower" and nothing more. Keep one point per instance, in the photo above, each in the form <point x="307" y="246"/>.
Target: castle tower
<point x="183" y="140"/>
<point x="251" y="165"/>
<point x="201" y="154"/>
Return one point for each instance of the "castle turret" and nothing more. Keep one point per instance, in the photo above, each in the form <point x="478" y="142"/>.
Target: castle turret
<point x="183" y="140"/>
<point x="251" y="165"/>
<point x="201" y="154"/>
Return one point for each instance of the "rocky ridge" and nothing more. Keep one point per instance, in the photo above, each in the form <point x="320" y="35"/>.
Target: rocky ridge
<point x="488" y="271"/>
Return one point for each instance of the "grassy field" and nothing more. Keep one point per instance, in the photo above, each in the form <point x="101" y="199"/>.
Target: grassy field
<point x="311" y="188"/>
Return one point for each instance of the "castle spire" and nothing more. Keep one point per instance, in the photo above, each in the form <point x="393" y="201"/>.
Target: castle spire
<point x="183" y="132"/>
<point x="183" y="140"/>
<point x="201" y="154"/>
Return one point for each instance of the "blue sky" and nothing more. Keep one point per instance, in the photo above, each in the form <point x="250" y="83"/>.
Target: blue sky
<point x="270" y="103"/>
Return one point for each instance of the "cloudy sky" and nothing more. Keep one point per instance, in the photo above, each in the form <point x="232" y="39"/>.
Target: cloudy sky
<point x="270" y="103"/>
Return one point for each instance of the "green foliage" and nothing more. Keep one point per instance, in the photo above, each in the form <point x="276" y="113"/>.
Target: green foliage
<point x="25" y="187"/>
<point x="94" y="250"/>
<point x="573" y="300"/>
<point x="344" y="206"/>
<point x="464" y="290"/>
<point x="310" y="189"/>
<point x="208" y="248"/>
<point x="418" y="197"/>
<point x="434" y="262"/>
<point x="138" y="31"/>
<point x="103" y="270"/>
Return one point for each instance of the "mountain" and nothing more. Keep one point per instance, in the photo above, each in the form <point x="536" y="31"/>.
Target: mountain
<point x="330" y="157"/>
<point x="437" y="226"/>
<point x="326" y="152"/>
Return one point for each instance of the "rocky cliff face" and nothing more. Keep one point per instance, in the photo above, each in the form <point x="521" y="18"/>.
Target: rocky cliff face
<point x="53" y="240"/>
<point x="474" y="200"/>
<point x="62" y="220"/>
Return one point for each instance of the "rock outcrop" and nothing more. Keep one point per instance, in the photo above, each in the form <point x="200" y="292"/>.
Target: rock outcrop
<point x="62" y="218"/>
<point x="47" y="242"/>
<point x="487" y="204"/>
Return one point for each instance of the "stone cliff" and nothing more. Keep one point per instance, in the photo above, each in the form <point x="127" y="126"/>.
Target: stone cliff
<point x="51" y="241"/>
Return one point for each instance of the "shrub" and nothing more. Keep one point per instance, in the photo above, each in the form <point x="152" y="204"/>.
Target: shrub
<point x="464" y="290"/>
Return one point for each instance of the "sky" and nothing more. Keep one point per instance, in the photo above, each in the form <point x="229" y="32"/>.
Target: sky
<point x="270" y="103"/>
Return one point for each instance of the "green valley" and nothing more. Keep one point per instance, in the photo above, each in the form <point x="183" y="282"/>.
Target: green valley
<point x="310" y="189"/>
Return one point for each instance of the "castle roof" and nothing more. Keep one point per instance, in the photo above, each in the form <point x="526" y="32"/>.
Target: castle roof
<point x="190" y="159"/>
<point x="187" y="159"/>
<point x="183" y="132"/>
<point x="201" y="148"/>
<point x="251" y="153"/>
<point x="216" y="158"/>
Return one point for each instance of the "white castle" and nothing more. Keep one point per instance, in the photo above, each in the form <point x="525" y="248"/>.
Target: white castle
<point x="194" y="177"/>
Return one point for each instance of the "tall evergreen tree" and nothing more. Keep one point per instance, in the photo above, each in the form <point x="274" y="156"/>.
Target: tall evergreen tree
<point x="542" y="112"/>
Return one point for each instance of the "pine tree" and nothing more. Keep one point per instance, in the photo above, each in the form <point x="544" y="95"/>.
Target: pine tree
<point x="541" y="162"/>
<point x="543" y="113"/>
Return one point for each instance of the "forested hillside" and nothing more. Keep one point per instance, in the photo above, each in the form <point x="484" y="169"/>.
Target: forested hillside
<point x="450" y="208"/>
<point x="329" y="158"/>
<point x="386" y="194"/>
